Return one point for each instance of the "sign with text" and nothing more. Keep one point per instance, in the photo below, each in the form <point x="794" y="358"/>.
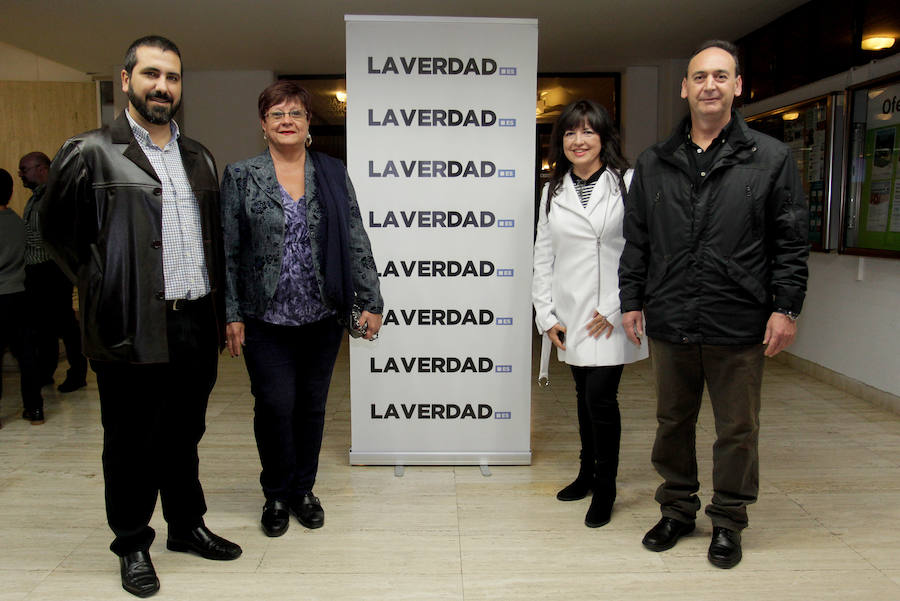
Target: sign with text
<point x="441" y="151"/>
<point x="873" y="220"/>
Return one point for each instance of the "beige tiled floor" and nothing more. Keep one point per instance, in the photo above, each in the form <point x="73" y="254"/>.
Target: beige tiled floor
<point x="825" y="526"/>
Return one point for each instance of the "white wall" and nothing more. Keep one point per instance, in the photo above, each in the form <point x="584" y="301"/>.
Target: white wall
<point x="651" y="104"/>
<point x="672" y="107"/>
<point x="220" y="112"/>
<point x="640" y="115"/>
<point x="850" y="321"/>
<point x="21" y="65"/>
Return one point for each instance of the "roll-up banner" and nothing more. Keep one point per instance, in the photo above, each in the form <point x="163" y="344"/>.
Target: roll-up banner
<point x="441" y="152"/>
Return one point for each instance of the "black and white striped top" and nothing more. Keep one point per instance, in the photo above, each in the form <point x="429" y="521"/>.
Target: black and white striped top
<point x="584" y="187"/>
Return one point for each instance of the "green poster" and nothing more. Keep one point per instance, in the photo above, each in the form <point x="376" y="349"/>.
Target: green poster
<point x="879" y="214"/>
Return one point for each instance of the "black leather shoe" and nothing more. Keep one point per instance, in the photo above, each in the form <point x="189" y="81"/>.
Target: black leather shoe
<point x="204" y="543"/>
<point x="666" y="533"/>
<point x="309" y="511"/>
<point x="575" y="491"/>
<point x="725" y="548"/>
<point x="600" y="511"/>
<point x="275" y="518"/>
<point x="71" y="385"/>
<point x="35" y="416"/>
<point x="138" y="576"/>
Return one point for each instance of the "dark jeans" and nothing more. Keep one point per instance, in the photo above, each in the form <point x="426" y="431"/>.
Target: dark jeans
<point x="599" y="424"/>
<point x="13" y="335"/>
<point x="290" y="370"/>
<point x="154" y="415"/>
<point x="734" y="377"/>
<point x="51" y="317"/>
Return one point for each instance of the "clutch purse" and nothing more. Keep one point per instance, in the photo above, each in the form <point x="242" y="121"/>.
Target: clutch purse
<point x="356" y="331"/>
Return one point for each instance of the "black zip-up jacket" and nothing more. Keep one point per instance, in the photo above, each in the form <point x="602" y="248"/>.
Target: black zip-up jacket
<point x="101" y="219"/>
<point x="708" y="258"/>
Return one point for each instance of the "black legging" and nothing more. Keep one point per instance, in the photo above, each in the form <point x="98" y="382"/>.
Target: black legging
<point x="599" y="424"/>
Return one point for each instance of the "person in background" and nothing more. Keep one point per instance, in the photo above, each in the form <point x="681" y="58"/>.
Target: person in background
<point x="716" y="230"/>
<point x="297" y="261"/>
<point x="13" y="304"/>
<point x="50" y="312"/>
<point x="575" y="289"/>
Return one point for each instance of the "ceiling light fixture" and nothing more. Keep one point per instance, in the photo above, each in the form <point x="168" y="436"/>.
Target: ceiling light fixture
<point x="877" y="42"/>
<point x="790" y="116"/>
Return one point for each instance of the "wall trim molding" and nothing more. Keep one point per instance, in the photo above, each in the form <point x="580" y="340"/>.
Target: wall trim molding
<point x="875" y="396"/>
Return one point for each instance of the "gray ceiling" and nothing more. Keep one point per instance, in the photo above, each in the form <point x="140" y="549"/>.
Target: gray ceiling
<point x="308" y="37"/>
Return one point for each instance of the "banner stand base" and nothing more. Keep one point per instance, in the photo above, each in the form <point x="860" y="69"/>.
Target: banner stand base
<point x="399" y="460"/>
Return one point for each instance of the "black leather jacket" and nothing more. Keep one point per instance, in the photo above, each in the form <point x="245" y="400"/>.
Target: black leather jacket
<point x="709" y="258"/>
<point x="101" y="218"/>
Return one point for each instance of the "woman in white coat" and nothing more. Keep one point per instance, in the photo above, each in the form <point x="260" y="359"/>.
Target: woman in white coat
<point x="575" y="289"/>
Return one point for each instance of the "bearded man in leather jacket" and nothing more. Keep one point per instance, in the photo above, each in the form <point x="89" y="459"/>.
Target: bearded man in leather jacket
<point x="715" y="257"/>
<point x="131" y="214"/>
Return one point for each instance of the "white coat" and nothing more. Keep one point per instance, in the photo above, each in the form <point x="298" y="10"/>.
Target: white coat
<point x="576" y="271"/>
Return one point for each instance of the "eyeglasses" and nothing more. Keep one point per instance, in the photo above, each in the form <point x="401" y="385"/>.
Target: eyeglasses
<point x="295" y="115"/>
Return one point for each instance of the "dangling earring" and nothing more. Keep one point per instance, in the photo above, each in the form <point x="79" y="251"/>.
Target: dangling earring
<point x="308" y="139"/>
<point x="265" y="137"/>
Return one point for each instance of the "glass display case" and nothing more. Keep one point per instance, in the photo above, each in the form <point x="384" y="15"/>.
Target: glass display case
<point x="814" y="131"/>
<point x="872" y="212"/>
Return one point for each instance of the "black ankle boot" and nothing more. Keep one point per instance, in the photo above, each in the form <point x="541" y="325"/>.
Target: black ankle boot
<point x="600" y="511"/>
<point x="576" y="490"/>
<point x="581" y="486"/>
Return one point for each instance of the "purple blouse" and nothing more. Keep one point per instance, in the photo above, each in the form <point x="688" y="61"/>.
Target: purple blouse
<point x="297" y="300"/>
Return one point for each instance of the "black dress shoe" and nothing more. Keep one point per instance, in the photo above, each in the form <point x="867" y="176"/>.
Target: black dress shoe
<point x="575" y="491"/>
<point x="309" y="511"/>
<point x="725" y="548"/>
<point x="35" y="416"/>
<point x="275" y="518"/>
<point x="204" y="543"/>
<point x="666" y="533"/>
<point x="138" y="576"/>
<point x="71" y="385"/>
<point x="600" y="511"/>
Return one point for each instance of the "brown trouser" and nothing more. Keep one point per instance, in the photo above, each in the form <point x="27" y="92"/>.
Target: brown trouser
<point x="734" y="377"/>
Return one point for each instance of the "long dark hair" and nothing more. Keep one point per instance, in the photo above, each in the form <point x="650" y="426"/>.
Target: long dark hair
<point x="598" y="119"/>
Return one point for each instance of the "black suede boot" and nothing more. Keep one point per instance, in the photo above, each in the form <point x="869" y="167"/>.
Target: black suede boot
<point x="581" y="486"/>
<point x="604" y="484"/>
<point x="606" y="426"/>
<point x="600" y="511"/>
<point x="575" y="491"/>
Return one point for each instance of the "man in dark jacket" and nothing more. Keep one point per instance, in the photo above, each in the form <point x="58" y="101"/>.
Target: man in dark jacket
<point x="715" y="256"/>
<point x="49" y="313"/>
<point x="131" y="214"/>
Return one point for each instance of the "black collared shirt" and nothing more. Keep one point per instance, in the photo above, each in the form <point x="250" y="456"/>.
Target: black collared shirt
<point x="702" y="160"/>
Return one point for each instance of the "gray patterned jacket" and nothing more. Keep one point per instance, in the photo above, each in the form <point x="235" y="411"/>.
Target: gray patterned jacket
<point x="253" y="223"/>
